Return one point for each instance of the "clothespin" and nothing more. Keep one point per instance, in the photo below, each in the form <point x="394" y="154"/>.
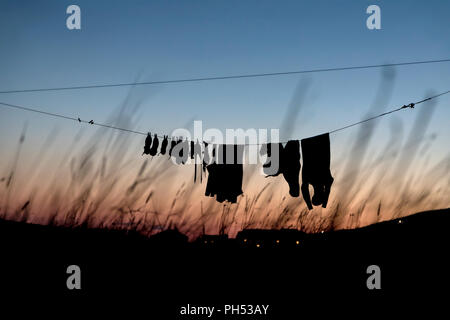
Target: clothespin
<point x="79" y="120"/>
<point x="91" y="122"/>
<point x="411" y="105"/>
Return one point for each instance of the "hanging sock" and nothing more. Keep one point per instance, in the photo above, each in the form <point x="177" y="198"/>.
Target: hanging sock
<point x="316" y="170"/>
<point x="148" y="142"/>
<point x="173" y="143"/>
<point x="192" y="149"/>
<point x="164" y="144"/>
<point x="196" y="153"/>
<point x="206" y="157"/>
<point x="155" y="145"/>
<point x="225" y="174"/>
<point x="285" y="160"/>
<point x="205" y="160"/>
<point x="180" y="151"/>
<point x="184" y="152"/>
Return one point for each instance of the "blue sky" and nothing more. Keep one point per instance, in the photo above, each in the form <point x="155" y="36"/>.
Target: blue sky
<point x="122" y="41"/>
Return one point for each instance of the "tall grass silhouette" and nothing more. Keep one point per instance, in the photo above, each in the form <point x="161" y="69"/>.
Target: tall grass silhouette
<point x="102" y="181"/>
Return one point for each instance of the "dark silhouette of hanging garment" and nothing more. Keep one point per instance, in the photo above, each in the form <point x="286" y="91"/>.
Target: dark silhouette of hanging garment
<point x="316" y="170"/>
<point x="184" y="153"/>
<point x="205" y="160"/>
<point x="164" y="144"/>
<point x="180" y="151"/>
<point x="148" y="143"/>
<point x="224" y="174"/>
<point x="155" y="145"/>
<point x="192" y="149"/>
<point x="288" y="163"/>
<point x="290" y="166"/>
<point x="272" y="165"/>
<point x="206" y="156"/>
<point x="173" y="143"/>
<point x="196" y="151"/>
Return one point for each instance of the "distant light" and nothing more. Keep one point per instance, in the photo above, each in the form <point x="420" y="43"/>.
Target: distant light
<point x="297" y="242"/>
<point x="322" y="231"/>
<point x="245" y="240"/>
<point x="400" y="221"/>
<point x="206" y="241"/>
<point x="278" y="241"/>
<point x="257" y="245"/>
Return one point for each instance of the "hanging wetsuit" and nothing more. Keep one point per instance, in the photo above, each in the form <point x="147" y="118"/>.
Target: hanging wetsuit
<point x="225" y="175"/>
<point x="155" y="145"/>
<point x="288" y="163"/>
<point x="316" y="170"/>
<point x="164" y="144"/>
<point x="148" y="142"/>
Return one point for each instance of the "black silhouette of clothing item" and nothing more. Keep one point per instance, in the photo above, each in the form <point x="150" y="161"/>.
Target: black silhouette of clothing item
<point x="197" y="151"/>
<point x="288" y="163"/>
<point x="196" y="154"/>
<point x="184" y="152"/>
<point x="316" y="170"/>
<point x="155" y="145"/>
<point x="164" y="144"/>
<point x="192" y="149"/>
<point x="272" y="165"/>
<point x="173" y="143"/>
<point x="290" y="166"/>
<point x="224" y="174"/>
<point x="148" y="143"/>
<point x="206" y="157"/>
<point x="180" y="151"/>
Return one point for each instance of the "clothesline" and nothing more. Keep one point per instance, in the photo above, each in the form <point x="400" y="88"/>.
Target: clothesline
<point x="411" y="105"/>
<point x="212" y="78"/>
<point x="91" y="122"/>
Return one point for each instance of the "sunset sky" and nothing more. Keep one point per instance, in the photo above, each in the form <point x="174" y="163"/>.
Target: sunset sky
<point x="126" y="41"/>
